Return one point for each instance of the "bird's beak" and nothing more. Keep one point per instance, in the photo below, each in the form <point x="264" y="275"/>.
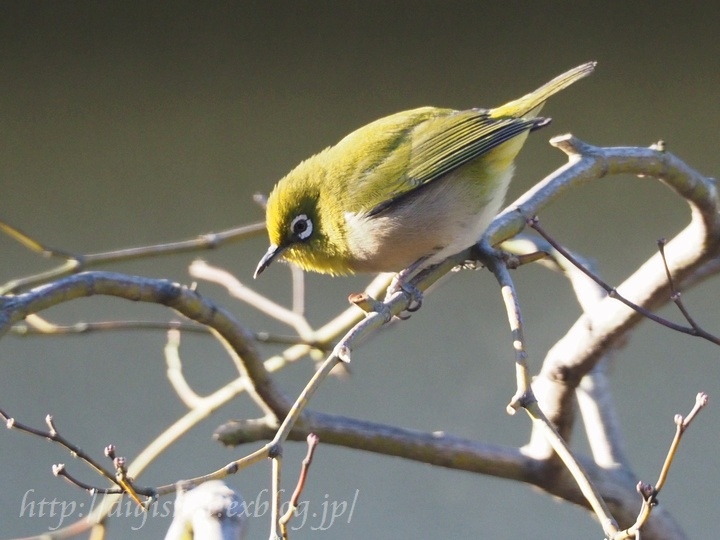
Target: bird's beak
<point x="272" y="252"/>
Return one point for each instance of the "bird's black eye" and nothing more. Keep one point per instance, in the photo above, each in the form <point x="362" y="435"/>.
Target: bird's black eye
<point x="301" y="227"/>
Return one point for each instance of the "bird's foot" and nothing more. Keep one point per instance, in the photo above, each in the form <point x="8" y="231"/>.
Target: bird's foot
<point x="415" y="295"/>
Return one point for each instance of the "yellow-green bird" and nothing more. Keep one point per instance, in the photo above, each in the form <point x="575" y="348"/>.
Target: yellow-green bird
<point x="405" y="191"/>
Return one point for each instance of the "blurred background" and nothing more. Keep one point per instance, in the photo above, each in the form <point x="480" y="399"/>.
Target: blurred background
<point x="124" y="124"/>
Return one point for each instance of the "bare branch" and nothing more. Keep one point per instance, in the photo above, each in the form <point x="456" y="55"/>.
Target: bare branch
<point x="175" y="374"/>
<point x="649" y="493"/>
<point x="600" y="331"/>
<point x="612" y="292"/>
<point x="53" y="435"/>
<point x="312" y="440"/>
<point x="184" y="300"/>
<point x="446" y="450"/>
<point x="78" y="262"/>
<point x="525" y="398"/>
<point x="207" y="272"/>
<point x="594" y="394"/>
<point x="597" y="338"/>
<point x="38" y="326"/>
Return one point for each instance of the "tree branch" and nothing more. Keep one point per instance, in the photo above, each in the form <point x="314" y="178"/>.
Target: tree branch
<point x="180" y="298"/>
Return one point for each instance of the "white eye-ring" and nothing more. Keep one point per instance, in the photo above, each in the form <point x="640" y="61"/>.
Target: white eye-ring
<point x="301" y="227"/>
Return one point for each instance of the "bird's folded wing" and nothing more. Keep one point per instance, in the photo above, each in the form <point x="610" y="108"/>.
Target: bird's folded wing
<point x="440" y="145"/>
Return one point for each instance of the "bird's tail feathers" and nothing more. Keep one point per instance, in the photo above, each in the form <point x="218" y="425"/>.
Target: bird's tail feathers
<point x="530" y="104"/>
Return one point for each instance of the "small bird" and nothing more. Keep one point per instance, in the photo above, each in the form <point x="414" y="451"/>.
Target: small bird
<point x="405" y="191"/>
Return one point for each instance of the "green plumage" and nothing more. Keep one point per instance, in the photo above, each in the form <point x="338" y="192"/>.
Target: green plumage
<point x="416" y="185"/>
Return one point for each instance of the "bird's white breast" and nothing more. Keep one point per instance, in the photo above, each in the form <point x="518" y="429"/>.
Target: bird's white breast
<point x="440" y="220"/>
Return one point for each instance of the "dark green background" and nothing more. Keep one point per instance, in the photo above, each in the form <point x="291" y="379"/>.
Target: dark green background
<point x="132" y="123"/>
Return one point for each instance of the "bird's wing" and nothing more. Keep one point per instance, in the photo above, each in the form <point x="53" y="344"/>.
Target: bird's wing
<point x="439" y="145"/>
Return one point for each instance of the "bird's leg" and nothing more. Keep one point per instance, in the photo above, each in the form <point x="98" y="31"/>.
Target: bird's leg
<point x="401" y="282"/>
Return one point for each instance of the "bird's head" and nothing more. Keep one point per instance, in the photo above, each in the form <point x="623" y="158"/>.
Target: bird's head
<point x="304" y="224"/>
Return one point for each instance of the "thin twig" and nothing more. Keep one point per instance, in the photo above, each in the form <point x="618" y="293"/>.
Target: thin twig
<point x="183" y="299"/>
<point x="298" y="290"/>
<point x="39" y="326"/>
<point x="211" y="403"/>
<point x="594" y="394"/>
<point x="52" y="434"/>
<point x="591" y="494"/>
<point x="312" y="442"/>
<point x="675" y="294"/>
<point x="174" y="371"/>
<point x="75" y="262"/>
<point x="496" y="263"/>
<point x="275" y="492"/>
<point x="612" y="292"/>
<point x="60" y="471"/>
<point x="649" y="492"/>
<point x="125" y="482"/>
<point x="119" y="478"/>
<point x="525" y="398"/>
<point x="236" y="289"/>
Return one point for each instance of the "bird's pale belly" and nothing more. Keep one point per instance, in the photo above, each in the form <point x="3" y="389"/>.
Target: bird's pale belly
<point x="441" y="220"/>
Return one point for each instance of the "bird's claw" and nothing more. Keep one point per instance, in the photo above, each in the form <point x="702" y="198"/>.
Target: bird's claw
<point x="416" y="299"/>
<point x="415" y="296"/>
